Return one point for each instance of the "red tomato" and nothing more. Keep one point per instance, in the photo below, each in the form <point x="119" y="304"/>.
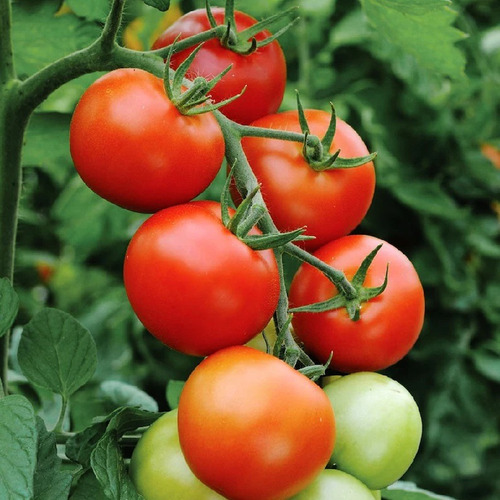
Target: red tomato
<point x="194" y="285"/>
<point x="330" y="203"/>
<point x="251" y="427"/>
<point x="129" y="143"/>
<point x="389" y="324"/>
<point x="263" y="71"/>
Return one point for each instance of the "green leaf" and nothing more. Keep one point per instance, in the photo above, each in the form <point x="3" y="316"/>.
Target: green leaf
<point x="9" y="305"/>
<point x="39" y="37"/>
<point x="174" y="389"/>
<point x="162" y="5"/>
<point x="122" y="394"/>
<point x="56" y="352"/>
<point x="93" y="10"/>
<point x="46" y="145"/>
<point x="49" y="482"/>
<point x="421" y="28"/>
<point x="402" y="490"/>
<point x="18" y="451"/>
<point x="88" y="487"/>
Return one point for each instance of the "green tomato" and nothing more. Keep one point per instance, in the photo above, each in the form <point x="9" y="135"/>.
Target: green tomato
<point x="378" y="427"/>
<point x="158" y="468"/>
<point x="333" y="483"/>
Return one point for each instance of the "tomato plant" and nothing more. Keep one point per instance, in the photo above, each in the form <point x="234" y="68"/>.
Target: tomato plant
<point x="389" y="324"/>
<point x="194" y="284"/>
<point x="378" y="427"/>
<point x="262" y="73"/>
<point x="267" y="429"/>
<point x="128" y="143"/>
<point x="333" y="483"/>
<point x="329" y="203"/>
<point x="158" y="468"/>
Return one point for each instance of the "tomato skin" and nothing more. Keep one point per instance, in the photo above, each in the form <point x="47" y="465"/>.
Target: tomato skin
<point x="194" y="285"/>
<point x="330" y="203"/>
<point x="263" y="72"/>
<point x="389" y="324"/>
<point x="158" y="468"/>
<point x="129" y="143"/>
<point x="250" y="426"/>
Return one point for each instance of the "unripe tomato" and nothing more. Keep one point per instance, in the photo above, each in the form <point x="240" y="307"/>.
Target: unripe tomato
<point x="378" y="427"/>
<point x="158" y="468"/>
<point x="263" y="72"/>
<point x="251" y="427"/>
<point x="335" y="484"/>
<point x="132" y="146"/>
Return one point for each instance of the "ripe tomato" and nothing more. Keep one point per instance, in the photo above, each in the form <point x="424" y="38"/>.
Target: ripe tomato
<point x="389" y="324"/>
<point x="263" y="71"/>
<point x="194" y="285"/>
<point x="378" y="427"/>
<point x="158" y="468"/>
<point x="330" y="203"/>
<point x="129" y="143"/>
<point x="251" y="427"/>
<point x="332" y="484"/>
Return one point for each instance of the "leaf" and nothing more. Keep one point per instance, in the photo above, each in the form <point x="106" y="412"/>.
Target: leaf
<point x="402" y="490"/>
<point x="93" y="10"/>
<point x="46" y="145"/>
<point x="9" y="305"/>
<point x="88" y="487"/>
<point x="19" y="448"/>
<point x="39" y="37"/>
<point x="421" y="28"/>
<point x="56" y="352"/>
<point x="162" y="5"/>
<point x="49" y="481"/>
<point x="428" y="198"/>
<point x="174" y="389"/>
<point x="122" y="394"/>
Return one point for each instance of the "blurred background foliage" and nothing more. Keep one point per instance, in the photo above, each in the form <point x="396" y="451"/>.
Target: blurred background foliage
<point x="432" y="116"/>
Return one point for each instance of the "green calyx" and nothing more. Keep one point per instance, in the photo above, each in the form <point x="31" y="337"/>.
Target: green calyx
<point x="317" y="151"/>
<point x="247" y="215"/>
<point x="195" y="100"/>
<point x="354" y="303"/>
<point x="245" y="42"/>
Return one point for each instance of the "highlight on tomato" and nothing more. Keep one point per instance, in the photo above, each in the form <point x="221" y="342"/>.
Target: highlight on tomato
<point x="132" y="146"/>
<point x="195" y="285"/>
<point x="330" y="202"/>
<point x="261" y="71"/>
<point x="251" y="426"/>
<point x="388" y="325"/>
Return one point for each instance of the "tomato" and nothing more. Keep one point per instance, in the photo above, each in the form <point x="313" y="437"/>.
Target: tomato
<point x="389" y="324"/>
<point x="129" y="143"/>
<point x="251" y="427"/>
<point x="332" y="484"/>
<point x="158" y="468"/>
<point x="263" y="72"/>
<point x="194" y="285"/>
<point x="378" y="427"/>
<point x="330" y="203"/>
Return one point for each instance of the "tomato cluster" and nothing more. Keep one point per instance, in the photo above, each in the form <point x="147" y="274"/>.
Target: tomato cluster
<point x="249" y="426"/>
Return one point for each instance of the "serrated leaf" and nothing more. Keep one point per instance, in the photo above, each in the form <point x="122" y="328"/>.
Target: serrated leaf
<point x="39" y="37"/>
<point x="402" y="490"/>
<point x="9" y="305"/>
<point x="421" y="28"/>
<point x="174" y="389"/>
<point x="56" y="352"/>
<point x="49" y="482"/>
<point x="46" y="145"/>
<point x="18" y="451"/>
<point x="162" y="5"/>
<point x="122" y="394"/>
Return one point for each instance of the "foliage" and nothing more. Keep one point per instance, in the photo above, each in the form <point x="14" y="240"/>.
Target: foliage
<point x="419" y="82"/>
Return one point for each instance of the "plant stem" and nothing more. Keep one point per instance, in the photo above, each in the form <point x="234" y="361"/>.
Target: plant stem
<point x="7" y="72"/>
<point x="60" y="422"/>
